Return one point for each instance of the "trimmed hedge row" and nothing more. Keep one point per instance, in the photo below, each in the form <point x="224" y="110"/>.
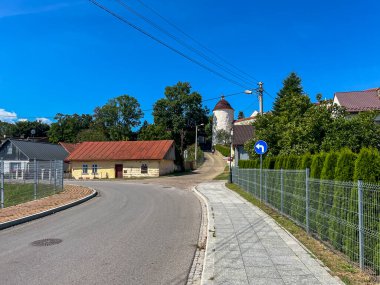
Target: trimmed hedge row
<point x="338" y="228"/>
<point x="224" y="150"/>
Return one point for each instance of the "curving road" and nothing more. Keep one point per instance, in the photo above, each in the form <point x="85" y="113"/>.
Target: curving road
<point x="143" y="232"/>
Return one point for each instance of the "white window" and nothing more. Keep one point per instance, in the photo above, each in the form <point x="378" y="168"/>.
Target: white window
<point x="84" y="168"/>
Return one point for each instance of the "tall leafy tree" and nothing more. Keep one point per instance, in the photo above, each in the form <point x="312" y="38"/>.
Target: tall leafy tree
<point x="91" y="135"/>
<point x="179" y="112"/>
<point x="117" y="117"/>
<point x="355" y="133"/>
<point x="7" y="129"/>
<point x="24" y="129"/>
<point x="154" y="132"/>
<point x="241" y="115"/>
<point x="67" y="127"/>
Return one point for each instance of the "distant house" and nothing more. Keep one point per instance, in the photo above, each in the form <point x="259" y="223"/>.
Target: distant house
<point x="247" y="121"/>
<point x="122" y="159"/>
<point x="18" y="154"/>
<point x="359" y="101"/>
<point x="241" y="134"/>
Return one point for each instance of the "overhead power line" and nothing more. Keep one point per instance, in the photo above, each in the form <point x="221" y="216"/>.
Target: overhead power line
<point x="194" y="40"/>
<point x="183" y="43"/>
<point x="165" y="44"/>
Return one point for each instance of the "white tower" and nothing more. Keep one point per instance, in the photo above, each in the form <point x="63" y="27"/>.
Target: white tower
<point x="222" y="119"/>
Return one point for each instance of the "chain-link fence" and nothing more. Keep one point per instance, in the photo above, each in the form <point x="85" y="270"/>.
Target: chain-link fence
<point x="344" y="215"/>
<point x="29" y="180"/>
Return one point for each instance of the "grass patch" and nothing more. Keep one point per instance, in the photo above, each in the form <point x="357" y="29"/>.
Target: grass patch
<point x="15" y="194"/>
<point x="336" y="262"/>
<point x="224" y="175"/>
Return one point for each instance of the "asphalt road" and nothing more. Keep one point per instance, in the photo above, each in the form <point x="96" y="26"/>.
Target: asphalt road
<point x="133" y="233"/>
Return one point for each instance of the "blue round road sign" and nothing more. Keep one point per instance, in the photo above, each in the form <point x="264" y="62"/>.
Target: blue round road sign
<point x="261" y="147"/>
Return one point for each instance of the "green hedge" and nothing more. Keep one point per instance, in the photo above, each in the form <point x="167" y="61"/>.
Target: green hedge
<point x="224" y="150"/>
<point x="340" y="202"/>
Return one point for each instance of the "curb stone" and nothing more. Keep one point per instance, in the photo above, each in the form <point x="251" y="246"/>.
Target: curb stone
<point x="48" y="212"/>
<point x="197" y="268"/>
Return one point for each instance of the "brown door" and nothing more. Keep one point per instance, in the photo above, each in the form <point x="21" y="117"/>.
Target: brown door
<point x="119" y="170"/>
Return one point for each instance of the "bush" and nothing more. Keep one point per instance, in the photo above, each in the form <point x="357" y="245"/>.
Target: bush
<point x="344" y="171"/>
<point x="299" y="207"/>
<point x="367" y="168"/>
<point x="224" y="150"/>
<point x="325" y="195"/>
<point x="315" y="172"/>
<point x="253" y="163"/>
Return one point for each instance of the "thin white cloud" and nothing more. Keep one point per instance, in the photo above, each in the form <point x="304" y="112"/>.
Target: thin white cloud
<point x="44" y="120"/>
<point x="22" y="120"/>
<point x="15" y="11"/>
<point x="6" y="116"/>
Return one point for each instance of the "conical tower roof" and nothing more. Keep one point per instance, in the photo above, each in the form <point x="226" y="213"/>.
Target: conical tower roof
<point x="222" y="105"/>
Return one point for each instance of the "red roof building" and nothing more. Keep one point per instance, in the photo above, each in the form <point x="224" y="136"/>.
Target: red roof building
<point x="358" y="101"/>
<point x="122" y="159"/>
<point x="69" y="147"/>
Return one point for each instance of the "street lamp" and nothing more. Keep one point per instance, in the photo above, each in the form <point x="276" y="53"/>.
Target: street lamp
<point x="260" y="91"/>
<point x="232" y="133"/>
<point x="196" y="143"/>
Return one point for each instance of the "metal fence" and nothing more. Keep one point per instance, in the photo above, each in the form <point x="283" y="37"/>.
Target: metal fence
<point x="344" y="215"/>
<point x="25" y="181"/>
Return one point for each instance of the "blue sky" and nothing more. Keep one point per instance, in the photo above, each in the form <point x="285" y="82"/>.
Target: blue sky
<point x="71" y="56"/>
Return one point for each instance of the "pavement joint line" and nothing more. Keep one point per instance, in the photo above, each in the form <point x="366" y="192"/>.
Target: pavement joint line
<point x="48" y="212"/>
<point x="237" y="209"/>
<point x="266" y="216"/>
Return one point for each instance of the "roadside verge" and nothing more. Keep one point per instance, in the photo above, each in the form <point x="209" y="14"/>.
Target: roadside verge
<point x="47" y="212"/>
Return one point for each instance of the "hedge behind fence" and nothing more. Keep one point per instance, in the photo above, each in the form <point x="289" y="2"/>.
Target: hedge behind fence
<point x="224" y="150"/>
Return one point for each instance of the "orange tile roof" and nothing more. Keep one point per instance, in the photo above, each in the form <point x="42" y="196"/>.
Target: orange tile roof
<point x="121" y="150"/>
<point x="69" y="147"/>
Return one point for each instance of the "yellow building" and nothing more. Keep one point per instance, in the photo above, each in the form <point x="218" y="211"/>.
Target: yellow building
<point x="123" y="159"/>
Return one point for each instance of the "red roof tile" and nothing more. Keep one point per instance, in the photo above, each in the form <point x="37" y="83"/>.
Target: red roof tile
<point x="357" y="101"/>
<point x="69" y="147"/>
<point x="223" y="105"/>
<point x="121" y="150"/>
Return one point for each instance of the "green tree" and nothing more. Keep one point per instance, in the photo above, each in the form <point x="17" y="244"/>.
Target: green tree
<point x="67" y="127"/>
<point x="299" y="206"/>
<point x="7" y="129"/>
<point x="154" y="132"/>
<point x="317" y="162"/>
<point x="367" y="169"/>
<point x="241" y="115"/>
<point x="91" y="135"/>
<point x="117" y="117"/>
<point x="222" y="136"/>
<point x="24" y="129"/>
<point x="179" y="112"/>
<point x="289" y="96"/>
<point x="355" y="133"/>
<point x="325" y="194"/>
<point x="344" y="171"/>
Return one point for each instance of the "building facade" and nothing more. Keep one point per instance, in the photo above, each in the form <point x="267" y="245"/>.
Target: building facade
<point x="124" y="159"/>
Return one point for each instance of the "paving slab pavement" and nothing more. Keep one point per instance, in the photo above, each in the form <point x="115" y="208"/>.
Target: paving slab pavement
<point x="246" y="246"/>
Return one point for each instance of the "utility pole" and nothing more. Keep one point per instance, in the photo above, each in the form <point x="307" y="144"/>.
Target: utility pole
<point x="260" y="91"/>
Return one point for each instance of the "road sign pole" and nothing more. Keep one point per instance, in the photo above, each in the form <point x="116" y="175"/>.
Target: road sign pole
<point x="261" y="176"/>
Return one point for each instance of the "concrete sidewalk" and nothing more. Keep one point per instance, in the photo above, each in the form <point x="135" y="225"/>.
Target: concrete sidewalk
<point x="249" y="247"/>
